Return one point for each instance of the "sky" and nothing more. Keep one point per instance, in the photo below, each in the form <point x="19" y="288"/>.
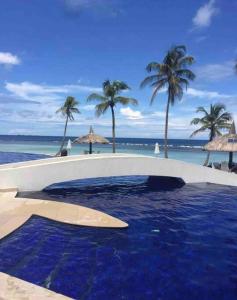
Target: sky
<point x="51" y="49"/>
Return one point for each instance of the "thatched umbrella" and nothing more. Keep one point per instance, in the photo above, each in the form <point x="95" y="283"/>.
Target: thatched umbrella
<point x="225" y="143"/>
<point x="90" y="139"/>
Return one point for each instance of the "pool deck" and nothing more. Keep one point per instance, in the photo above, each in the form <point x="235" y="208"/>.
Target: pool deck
<point x="13" y="288"/>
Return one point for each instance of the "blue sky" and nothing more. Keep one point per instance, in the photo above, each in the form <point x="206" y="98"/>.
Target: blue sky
<point x="52" y="49"/>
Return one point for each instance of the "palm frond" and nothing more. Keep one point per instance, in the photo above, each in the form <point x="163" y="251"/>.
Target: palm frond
<point x="161" y="84"/>
<point x="172" y="72"/>
<point x="70" y="116"/>
<point x="186" y="61"/>
<point x="153" y="67"/>
<point x="113" y="88"/>
<point x="217" y="132"/>
<point x="202" y="129"/>
<point x="217" y="108"/>
<point x="150" y="80"/>
<point x="69" y="107"/>
<point x="224" y="117"/>
<point x="175" y="91"/>
<point x="120" y="85"/>
<point x="125" y="101"/>
<point x="196" y="121"/>
<point x="75" y="110"/>
<point x="174" y="54"/>
<point x="180" y="49"/>
<point x="106" y="84"/>
<point x="101" y="108"/>
<point x="184" y="82"/>
<point x="215" y="120"/>
<point x="156" y="83"/>
<point x="185" y="73"/>
<point x="60" y="110"/>
<point x="96" y="97"/>
<point x="201" y="109"/>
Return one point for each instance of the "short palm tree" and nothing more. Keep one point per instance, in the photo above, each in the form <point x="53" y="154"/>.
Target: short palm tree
<point x="67" y="110"/>
<point x="213" y="121"/>
<point x="173" y="75"/>
<point x="110" y="99"/>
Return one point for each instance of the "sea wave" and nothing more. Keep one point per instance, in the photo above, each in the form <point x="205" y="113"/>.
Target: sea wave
<point x="151" y="146"/>
<point x="195" y="147"/>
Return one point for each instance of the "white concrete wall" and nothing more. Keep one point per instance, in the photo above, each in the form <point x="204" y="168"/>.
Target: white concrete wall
<point x="36" y="175"/>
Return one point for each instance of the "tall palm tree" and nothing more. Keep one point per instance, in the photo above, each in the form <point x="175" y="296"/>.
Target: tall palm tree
<point x="173" y="75"/>
<point x="235" y="66"/>
<point x="213" y="121"/>
<point x="67" y="110"/>
<point x="110" y="98"/>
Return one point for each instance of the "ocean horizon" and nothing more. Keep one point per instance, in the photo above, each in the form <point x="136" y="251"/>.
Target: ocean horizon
<point x="189" y="150"/>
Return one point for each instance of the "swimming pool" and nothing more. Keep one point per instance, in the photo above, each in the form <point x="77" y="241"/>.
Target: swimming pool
<point x="180" y="244"/>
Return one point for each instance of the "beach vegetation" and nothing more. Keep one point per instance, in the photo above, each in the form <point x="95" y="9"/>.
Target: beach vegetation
<point x="213" y="120"/>
<point x="109" y="99"/>
<point x="171" y="75"/>
<point x="67" y="110"/>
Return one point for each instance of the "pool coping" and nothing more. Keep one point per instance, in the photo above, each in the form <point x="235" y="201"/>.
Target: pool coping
<point x="17" y="289"/>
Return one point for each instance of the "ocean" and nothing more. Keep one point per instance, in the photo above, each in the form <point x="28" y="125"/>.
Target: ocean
<point x="188" y="150"/>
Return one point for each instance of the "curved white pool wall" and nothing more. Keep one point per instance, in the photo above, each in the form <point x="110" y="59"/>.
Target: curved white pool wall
<point x="38" y="174"/>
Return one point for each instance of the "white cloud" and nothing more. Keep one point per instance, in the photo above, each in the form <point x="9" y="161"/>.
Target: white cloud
<point x="131" y="114"/>
<point x="207" y="94"/>
<point x="108" y="8"/>
<point x="200" y="39"/>
<point x="16" y="131"/>
<point x="42" y="92"/>
<point x="42" y="116"/>
<point x="215" y="72"/>
<point x="159" y="114"/>
<point x="83" y="4"/>
<point x="192" y="92"/>
<point x="81" y="88"/>
<point x="42" y="101"/>
<point x="205" y="14"/>
<point x="89" y="107"/>
<point x="6" y="58"/>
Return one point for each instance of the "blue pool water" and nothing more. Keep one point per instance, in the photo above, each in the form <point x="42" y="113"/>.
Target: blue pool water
<point x="12" y="157"/>
<point x="180" y="244"/>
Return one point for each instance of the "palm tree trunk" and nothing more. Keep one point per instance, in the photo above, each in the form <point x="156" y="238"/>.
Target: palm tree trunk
<point x="166" y="128"/>
<point x="90" y="148"/>
<point x="207" y="159"/>
<point x="64" y="136"/>
<point x="208" y="153"/>
<point x="113" y="128"/>
<point x="230" y="164"/>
